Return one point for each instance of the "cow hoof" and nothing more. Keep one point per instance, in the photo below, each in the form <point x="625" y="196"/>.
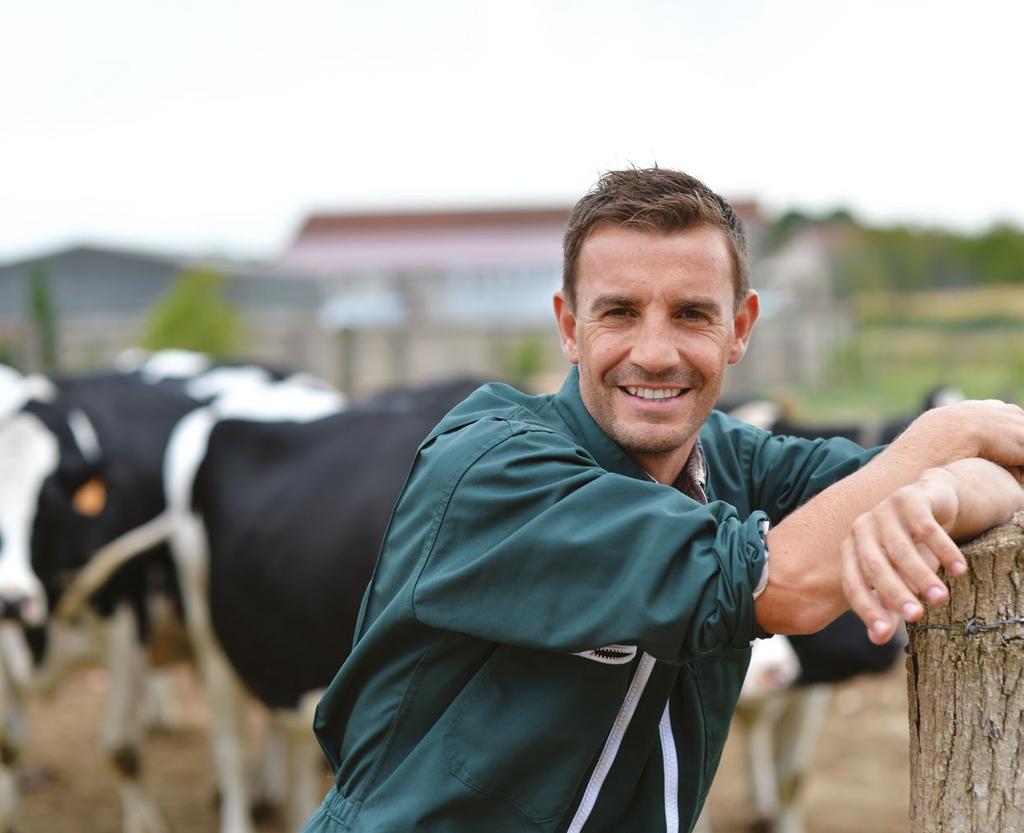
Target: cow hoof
<point x="126" y="761"/>
<point x="264" y="811"/>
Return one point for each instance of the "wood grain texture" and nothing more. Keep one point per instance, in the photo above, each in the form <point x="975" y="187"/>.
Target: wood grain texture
<point x="966" y="696"/>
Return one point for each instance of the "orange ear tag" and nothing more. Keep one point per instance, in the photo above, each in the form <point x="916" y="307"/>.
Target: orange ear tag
<point x="90" y="498"/>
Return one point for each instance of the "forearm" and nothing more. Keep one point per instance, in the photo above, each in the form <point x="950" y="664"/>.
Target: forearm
<point x="986" y="495"/>
<point x="804" y="591"/>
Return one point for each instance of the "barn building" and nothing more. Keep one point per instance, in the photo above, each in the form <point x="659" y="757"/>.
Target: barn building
<point x="373" y="300"/>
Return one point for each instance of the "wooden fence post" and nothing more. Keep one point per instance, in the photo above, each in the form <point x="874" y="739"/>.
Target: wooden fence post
<point x="965" y="678"/>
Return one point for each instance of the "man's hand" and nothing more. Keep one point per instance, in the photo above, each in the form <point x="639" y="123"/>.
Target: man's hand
<point x="987" y="428"/>
<point x="890" y="557"/>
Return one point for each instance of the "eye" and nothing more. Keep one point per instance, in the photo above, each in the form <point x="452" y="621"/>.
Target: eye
<point x="694" y="314"/>
<point x="619" y="312"/>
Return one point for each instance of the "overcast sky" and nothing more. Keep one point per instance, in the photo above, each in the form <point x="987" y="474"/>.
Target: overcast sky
<point x="215" y="126"/>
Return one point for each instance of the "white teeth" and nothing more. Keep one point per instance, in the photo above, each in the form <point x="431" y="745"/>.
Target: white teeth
<point x="653" y="393"/>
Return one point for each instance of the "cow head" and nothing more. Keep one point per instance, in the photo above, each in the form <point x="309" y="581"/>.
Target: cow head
<point x="54" y="504"/>
<point x="29" y="455"/>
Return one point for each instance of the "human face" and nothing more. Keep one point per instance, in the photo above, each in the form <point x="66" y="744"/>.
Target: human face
<point x="652" y="332"/>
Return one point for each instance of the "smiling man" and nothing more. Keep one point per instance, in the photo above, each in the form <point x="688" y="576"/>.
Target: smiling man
<point x="560" y="619"/>
<point x="652" y="326"/>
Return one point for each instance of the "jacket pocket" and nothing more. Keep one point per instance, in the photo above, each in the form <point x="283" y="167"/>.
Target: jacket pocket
<point x="719" y="679"/>
<point x="528" y="729"/>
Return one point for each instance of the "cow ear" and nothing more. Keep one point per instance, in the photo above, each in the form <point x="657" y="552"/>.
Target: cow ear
<point x="91" y="498"/>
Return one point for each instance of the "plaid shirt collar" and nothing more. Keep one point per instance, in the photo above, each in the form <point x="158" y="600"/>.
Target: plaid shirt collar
<point x="693" y="480"/>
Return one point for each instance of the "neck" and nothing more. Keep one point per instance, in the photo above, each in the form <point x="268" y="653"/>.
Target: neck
<point x="665" y="468"/>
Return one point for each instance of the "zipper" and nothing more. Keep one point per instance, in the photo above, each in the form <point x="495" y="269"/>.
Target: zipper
<point x="612" y="743"/>
<point x="610" y="654"/>
<point x="618" y="731"/>
<point x="671" y="767"/>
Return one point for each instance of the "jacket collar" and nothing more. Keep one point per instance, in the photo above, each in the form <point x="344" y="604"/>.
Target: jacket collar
<point x="608" y="454"/>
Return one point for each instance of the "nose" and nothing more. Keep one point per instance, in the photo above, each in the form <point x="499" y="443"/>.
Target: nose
<point x="654" y="349"/>
<point x="12" y="607"/>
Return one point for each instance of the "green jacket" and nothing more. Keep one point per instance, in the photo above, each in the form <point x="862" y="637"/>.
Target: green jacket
<point x="552" y="641"/>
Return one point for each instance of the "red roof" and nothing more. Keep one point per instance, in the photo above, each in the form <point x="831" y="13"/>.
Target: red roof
<point x="526" y="237"/>
<point x="467" y="218"/>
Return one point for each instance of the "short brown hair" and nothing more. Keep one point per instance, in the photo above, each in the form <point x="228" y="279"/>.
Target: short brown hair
<point x="656" y="199"/>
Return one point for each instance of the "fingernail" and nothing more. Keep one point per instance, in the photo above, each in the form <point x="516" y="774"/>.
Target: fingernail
<point x="958" y="568"/>
<point x="911" y="609"/>
<point x="936" y="594"/>
<point x="880" y="628"/>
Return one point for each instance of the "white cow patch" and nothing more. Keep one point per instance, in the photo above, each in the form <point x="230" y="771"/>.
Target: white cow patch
<point x="85" y="435"/>
<point x="773" y="667"/>
<point x="173" y="364"/>
<point x="279" y="402"/>
<point x="10" y="390"/>
<point x="31" y="452"/>
<point x="762" y="413"/>
<point x="221" y="380"/>
<point x="16" y="390"/>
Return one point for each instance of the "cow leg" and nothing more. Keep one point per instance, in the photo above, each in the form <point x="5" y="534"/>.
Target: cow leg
<point x="12" y="735"/>
<point x="796" y="735"/>
<point x="122" y="726"/>
<point x="758" y="717"/>
<point x="226" y="697"/>
<point x="162" y="704"/>
<point x="306" y="769"/>
<point x="305" y="760"/>
<point x="227" y="704"/>
<point x="169" y="645"/>
<point x="271" y="776"/>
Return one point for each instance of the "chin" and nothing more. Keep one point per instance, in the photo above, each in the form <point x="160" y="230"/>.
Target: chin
<point x="639" y="443"/>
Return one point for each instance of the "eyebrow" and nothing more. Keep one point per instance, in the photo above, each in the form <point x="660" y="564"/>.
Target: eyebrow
<point x="704" y="305"/>
<point x="608" y="301"/>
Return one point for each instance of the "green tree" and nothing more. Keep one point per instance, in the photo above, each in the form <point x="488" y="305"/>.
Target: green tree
<point x="524" y="359"/>
<point x="998" y="255"/>
<point x="194" y="315"/>
<point x="43" y="316"/>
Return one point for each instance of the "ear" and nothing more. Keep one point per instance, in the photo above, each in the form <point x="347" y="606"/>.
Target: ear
<point x="742" y="326"/>
<point x="566" y="319"/>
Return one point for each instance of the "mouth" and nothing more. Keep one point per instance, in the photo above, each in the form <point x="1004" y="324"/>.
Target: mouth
<point x="647" y="394"/>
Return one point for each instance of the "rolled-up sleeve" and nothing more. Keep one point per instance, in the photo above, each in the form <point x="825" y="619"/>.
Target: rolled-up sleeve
<point x="537" y="546"/>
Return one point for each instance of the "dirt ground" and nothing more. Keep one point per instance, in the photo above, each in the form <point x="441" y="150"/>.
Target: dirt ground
<point x="859" y="782"/>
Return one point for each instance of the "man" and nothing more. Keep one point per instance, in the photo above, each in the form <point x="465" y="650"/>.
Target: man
<point x="560" y="619"/>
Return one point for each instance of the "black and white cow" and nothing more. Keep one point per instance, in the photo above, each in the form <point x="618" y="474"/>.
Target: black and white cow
<point x="81" y="464"/>
<point x="280" y="513"/>
<point x="776" y="417"/>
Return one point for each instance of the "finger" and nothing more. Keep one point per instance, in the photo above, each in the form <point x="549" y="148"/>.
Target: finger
<point x="930" y="534"/>
<point x="878" y="566"/>
<point x="903" y="521"/>
<point x="880" y="623"/>
<point x="928" y="557"/>
<point x="935" y="594"/>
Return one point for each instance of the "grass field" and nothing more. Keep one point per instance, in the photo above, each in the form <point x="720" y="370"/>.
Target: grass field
<point x="906" y="345"/>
